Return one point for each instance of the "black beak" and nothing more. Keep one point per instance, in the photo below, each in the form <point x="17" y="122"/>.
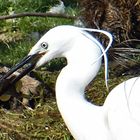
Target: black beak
<point x="30" y="61"/>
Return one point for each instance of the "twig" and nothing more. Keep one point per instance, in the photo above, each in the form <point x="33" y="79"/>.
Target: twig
<point x="25" y="14"/>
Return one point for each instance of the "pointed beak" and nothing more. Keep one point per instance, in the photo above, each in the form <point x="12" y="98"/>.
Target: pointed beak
<point x="29" y="62"/>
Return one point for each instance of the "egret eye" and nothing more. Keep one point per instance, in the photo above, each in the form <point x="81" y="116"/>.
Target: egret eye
<point x="44" y="45"/>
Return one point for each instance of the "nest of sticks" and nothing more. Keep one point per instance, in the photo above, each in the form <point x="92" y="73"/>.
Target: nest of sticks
<point x="122" y="19"/>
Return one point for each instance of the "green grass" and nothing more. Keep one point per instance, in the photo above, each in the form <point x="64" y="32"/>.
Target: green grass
<point x="11" y="53"/>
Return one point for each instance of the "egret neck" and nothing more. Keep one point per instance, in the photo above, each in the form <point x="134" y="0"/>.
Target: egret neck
<point x="70" y="87"/>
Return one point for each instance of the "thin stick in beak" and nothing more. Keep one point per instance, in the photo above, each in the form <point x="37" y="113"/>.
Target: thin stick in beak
<point x="8" y="84"/>
<point x="23" y="73"/>
<point x="19" y="65"/>
<point x="30" y="60"/>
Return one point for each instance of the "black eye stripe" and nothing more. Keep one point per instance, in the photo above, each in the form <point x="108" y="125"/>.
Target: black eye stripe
<point x="44" y="45"/>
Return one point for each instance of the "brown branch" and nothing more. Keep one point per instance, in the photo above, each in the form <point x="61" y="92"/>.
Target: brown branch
<point x="48" y="14"/>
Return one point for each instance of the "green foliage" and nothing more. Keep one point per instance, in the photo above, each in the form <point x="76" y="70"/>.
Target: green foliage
<point x="10" y="55"/>
<point x="14" y="33"/>
<point x="72" y="3"/>
<point x="33" y="6"/>
<point x="24" y="5"/>
<point x="4" y="5"/>
<point x="29" y="24"/>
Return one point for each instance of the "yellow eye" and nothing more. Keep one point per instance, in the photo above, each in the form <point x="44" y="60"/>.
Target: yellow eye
<point x="44" y="45"/>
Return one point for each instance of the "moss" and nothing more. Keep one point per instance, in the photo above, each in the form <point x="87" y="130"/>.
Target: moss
<point x="45" y="122"/>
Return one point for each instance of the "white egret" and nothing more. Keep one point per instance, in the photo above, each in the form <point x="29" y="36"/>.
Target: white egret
<point x="118" y="118"/>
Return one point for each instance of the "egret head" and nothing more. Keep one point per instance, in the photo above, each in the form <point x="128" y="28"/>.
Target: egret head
<point x="53" y="44"/>
<point x="61" y="41"/>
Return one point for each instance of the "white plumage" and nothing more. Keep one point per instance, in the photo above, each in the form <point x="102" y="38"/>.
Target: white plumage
<point x="119" y="117"/>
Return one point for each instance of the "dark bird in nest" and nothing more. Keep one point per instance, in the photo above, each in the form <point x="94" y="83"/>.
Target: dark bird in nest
<point x="122" y="19"/>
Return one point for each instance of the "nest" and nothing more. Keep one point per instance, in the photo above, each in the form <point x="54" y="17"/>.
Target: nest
<point x="22" y="92"/>
<point x="120" y="17"/>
